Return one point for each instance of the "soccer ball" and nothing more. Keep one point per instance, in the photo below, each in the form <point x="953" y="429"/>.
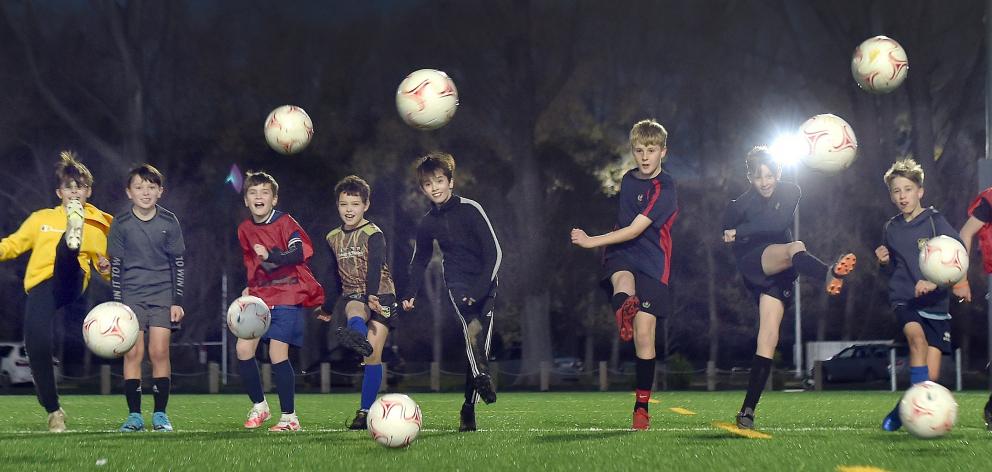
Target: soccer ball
<point x="427" y="99"/>
<point x="110" y="329"/>
<point x="928" y="410"/>
<point x="288" y="129"/>
<point x="394" y="420"/>
<point x="944" y="261"/>
<point x="831" y="145"/>
<point x="879" y="64"/>
<point x="248" y="317"/>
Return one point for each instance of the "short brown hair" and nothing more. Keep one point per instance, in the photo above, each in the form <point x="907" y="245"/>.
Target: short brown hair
<point x="147" y="173"/>
<point x="258" y="178"/>
<point x="759" y="156"/>
<point x="70" y="169"/>
<point x="355" y="186"/>
<point x="907" y="168"/>
<point x="647" y="132"/>
<point x="434" y="161"/>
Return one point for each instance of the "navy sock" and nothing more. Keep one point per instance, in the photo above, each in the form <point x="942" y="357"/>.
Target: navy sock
<point x="285" y="385"/>
<point x="132" y="393"/>
<point x="251" y="380"/>
<point x="918" y="374"/>
<point x="161" y="386"/>
<point x="356" y="323"/>
<point x="644" y="373"/>
<point x="618" y="299"/>
<point x="808" y="265"/>
<point x="761" y="367"/>
<point x="370" y="384"/>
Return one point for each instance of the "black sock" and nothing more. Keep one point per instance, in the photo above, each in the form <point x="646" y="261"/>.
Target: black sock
<point x="161" y="386"/>
<point x="618" y="299"/>
<point x="808" y="265"/>
<point x="760" y="368"/>
<point x="132" y="393"/>
<point x="251" y="380"/>
<point x="644" y="369"/>
<point x="285" y="385"/>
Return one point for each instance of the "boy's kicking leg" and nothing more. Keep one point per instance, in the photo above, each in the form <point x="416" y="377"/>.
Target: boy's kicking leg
<point x="918" y="357"/>
<point x="252" y="382"/>
<point x="477" y="326"/>
<point x="624" y="302"/>
<point x="777" y="258"/>
<point x="372" y="378"/>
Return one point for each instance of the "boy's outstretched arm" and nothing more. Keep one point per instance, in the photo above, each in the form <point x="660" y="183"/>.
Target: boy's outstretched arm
<point x="19" y="241"/>
<point x="631" y="231"/>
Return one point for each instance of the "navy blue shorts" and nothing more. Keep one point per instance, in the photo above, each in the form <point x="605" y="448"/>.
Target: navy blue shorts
<point x="938" y="332"/>
<point x="287" y="325"/>
<point x="390" y="308"/>
<point x="778" y="286"/>
<point x="653" y="294"/>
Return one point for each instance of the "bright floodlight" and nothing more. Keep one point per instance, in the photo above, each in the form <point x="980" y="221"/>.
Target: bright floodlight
<point x="787" y="149"/>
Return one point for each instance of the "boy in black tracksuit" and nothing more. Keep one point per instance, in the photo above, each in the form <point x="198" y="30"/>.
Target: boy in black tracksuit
<point x="920" y="306"/>
<point x="471" y="260"/>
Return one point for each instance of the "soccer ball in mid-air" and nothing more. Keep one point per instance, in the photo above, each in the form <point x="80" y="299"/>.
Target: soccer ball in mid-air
<point x="427" y="99"/>
<point x="831" y="145"/>
<point x="944" y="261"/>
<point x="110" y="329"/>
<point x="248" y="317"/>
<point x="394" y="420"/>
<point x="928" y="410"/>
<point x="879" y="64"/>
<point x="288" y="129"/>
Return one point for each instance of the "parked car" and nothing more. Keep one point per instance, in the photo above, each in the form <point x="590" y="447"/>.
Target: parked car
<point x="14" y="367"/>
<point x="860" y="363"/>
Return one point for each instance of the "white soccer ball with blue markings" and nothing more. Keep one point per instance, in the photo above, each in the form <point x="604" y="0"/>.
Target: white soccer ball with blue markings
<point x="110" y="329"/>
<point x="248" y="317"/>
<point x="944" y="261"/>
<point x="394" y="420"/>
<point x="928" y="410"/>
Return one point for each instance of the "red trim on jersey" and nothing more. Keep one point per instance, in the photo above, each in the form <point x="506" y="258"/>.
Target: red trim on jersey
<point x="654" y="198"/>
<point x="665" y="241"/>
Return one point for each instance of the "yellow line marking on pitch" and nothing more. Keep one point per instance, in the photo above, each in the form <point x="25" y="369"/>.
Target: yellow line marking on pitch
<point x="859" y="468"/>
<point x="681" y="411"/>
<point x="745" y="433"/>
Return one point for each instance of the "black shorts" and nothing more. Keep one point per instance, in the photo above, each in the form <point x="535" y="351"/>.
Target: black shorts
<point x="938" y="332"/>
<point x="654" y="295"/>
<point x="390" y="309"/>
<point x="779" y="286"/>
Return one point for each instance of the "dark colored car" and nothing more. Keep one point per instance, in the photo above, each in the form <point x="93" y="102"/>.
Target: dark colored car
<point x="860" y="363"/>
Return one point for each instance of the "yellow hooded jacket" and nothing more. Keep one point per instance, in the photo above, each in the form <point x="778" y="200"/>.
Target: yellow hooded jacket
<point x="41" y="233"/>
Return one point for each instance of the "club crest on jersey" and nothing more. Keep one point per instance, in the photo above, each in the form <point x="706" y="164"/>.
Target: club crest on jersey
<point x="921" y="243"/>
<point x="640" y="198"/>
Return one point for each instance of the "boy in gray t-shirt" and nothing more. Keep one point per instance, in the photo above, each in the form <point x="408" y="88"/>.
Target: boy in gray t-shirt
<point x="147" y="274"/>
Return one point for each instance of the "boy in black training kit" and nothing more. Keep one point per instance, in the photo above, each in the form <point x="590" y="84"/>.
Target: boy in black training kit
<point x="757" y="226"/>
<point x="471" y="260"/>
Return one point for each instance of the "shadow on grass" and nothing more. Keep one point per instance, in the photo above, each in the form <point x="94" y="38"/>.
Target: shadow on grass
<point x="579" y="436"/>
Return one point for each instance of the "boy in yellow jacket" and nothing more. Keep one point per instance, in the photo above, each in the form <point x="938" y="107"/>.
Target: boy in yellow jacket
<point x="64" y="242"/>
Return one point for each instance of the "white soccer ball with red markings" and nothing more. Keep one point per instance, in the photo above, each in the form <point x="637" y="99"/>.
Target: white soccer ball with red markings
<point x="928" y="410"/>
<point x="879" y="64"/>
<point x="110" y="329"/>
<point x="394" y="420"/>
<point x="288" y="129"/>
<point x="831" y="145"/>
<point x="248" y="317"/>
<point x="944" y="261"/>
<point x="427" y="99"/>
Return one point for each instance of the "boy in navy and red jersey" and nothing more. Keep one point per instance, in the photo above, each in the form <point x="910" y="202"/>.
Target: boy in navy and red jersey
<point x="275" y="250"/>
<point x="639" y="254"/>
